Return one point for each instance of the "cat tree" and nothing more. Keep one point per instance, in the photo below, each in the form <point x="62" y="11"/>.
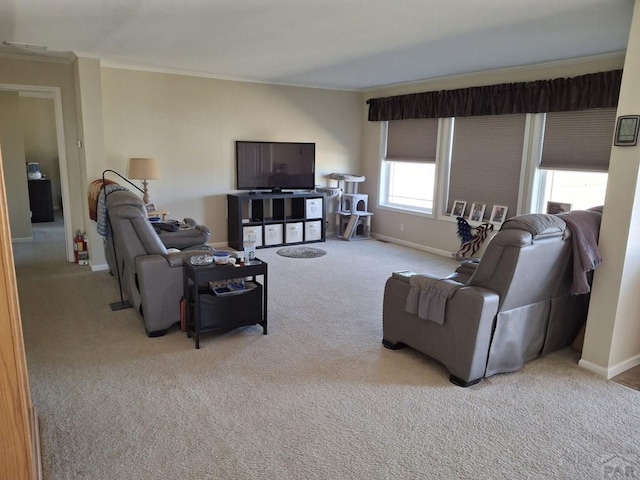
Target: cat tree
<point x="352" y="220"/>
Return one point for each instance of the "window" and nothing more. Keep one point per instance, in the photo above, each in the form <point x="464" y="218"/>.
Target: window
<point x="486" y="160"/>
<point x="581" y="190"/>
<point x="410" y="185"/>
<point x="514" y="160"/>
<point x="575" y="158"/>
<point x="408" y="167"/>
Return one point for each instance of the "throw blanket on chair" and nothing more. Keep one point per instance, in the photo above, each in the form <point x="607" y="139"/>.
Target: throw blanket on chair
<point x="102" y="220"/>
<point x="585" y="230"/>
<point x="94" y="191"/>
<point x="428" y="297"/>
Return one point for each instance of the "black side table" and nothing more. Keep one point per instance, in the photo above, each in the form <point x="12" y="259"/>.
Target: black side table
<point x="208" y="312"/>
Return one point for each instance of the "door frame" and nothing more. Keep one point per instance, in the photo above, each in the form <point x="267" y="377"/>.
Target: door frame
<point x="55" y="94"/>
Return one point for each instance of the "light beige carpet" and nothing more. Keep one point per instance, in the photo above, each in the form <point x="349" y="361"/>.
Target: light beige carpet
<point x="317" y="398"/>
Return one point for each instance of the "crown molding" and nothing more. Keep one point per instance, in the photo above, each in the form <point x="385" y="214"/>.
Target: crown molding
<point x="123" y="65"/>
<point x="63" y="58"/>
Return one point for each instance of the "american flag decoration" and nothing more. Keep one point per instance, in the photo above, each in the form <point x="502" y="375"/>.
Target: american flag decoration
<point x="471" y="237"/>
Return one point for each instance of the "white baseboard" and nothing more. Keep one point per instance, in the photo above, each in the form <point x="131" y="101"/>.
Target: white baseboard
<point x="417" y="246"/>
<point x="611" y="371"/>
<point x="592" y="367"/>
<point x="624" y="366"/>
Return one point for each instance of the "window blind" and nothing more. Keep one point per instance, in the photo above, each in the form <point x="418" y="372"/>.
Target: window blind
<point x="578" y="140"/>
<point x="486" y="161"/>
<point x="412" y="140"/>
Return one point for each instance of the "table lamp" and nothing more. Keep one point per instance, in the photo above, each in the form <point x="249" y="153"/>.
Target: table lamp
<point x="144" y="169"/>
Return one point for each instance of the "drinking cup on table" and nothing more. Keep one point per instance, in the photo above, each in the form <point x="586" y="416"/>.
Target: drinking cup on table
<point x="249" y="251"/>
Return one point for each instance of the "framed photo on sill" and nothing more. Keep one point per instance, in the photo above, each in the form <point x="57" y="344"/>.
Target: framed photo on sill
<point x="558" y="207"/>
<point x="627" y="130"/>
<point x="498" y="214"/>
<point x="476" y="214"/>
<point x="458" y="208"/>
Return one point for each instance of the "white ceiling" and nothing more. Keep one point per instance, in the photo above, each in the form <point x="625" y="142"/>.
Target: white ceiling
<point x="337" y="44"/>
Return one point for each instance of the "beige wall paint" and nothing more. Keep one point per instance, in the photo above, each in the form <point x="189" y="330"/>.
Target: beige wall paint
<point x="40" y="142"/>
<point x="15" y="171"/>
<point x="190" y="124"/>
<point x="92" y="158"/>
<point x="429" y="232"/>
<point x="612" y="339"/>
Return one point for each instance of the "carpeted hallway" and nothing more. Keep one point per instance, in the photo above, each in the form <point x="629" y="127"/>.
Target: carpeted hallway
<point x="317" y="398"/>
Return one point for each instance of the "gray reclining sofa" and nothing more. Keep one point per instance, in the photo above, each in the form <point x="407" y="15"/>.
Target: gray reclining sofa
<point x="151" y="276"/>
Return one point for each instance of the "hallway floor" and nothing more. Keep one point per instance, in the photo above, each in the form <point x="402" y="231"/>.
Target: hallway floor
<point x="630" y="378"/>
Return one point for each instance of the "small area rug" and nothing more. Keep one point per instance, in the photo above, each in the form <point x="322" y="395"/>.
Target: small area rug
<point x="301" y="252"/>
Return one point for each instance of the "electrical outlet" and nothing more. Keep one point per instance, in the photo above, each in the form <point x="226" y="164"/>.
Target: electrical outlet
<point x="402" y="227"/>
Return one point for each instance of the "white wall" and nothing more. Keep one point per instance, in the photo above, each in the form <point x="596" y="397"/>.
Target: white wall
<point x="612" y="340"/>
<point x="190" y="125"/>
<point x="92" y="156"/>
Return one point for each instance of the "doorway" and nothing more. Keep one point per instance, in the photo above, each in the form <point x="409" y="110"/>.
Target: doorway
<point x="54" y="94"/>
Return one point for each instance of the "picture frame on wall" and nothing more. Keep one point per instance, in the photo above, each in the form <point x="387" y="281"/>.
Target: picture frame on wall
<point x="458" y="208"/>
<point x="627" y="130"/>
<point x="555" y="208"/>
<point x="476" y="214"/>
<point x="498" y="214"/>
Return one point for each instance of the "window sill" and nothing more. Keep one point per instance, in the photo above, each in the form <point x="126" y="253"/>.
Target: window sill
<point x="449" y="218"/>
<point x="406" y="210"/>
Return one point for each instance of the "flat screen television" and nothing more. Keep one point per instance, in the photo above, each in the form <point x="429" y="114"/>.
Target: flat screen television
<point x="275" y="166"/>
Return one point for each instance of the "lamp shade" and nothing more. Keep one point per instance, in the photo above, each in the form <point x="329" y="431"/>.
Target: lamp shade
<point x="143" y="169"/>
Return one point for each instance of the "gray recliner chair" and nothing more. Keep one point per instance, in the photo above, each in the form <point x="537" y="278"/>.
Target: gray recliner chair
<point x="494" y="315"/>
<point x="151" y="277"/>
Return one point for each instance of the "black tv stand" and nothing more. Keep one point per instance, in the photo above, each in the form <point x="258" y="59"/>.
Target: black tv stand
<point x="275" y="218"/>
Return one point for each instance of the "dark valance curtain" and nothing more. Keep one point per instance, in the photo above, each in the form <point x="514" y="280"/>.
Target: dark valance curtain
<point x="596" y="90"/>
